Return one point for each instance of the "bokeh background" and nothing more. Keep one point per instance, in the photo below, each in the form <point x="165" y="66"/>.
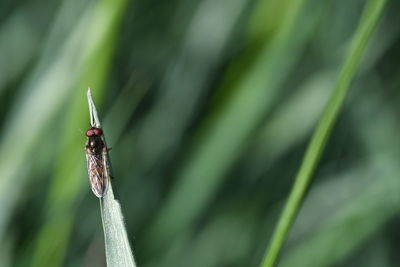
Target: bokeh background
<point x="208" y="107"/>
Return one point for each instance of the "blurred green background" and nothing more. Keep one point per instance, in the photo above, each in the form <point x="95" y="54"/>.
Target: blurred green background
<point x="208" y="106"/>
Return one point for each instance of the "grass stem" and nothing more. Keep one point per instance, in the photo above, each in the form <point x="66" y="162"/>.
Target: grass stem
<point x="368" y="22"/>
<point x="118" y="249"/>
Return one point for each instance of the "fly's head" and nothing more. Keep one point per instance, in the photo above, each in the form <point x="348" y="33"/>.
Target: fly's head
<point x="95" y="143"/>
<point x="94" y="132"/>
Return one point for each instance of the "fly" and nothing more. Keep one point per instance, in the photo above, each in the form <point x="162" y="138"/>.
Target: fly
<point x="97" y="161"/>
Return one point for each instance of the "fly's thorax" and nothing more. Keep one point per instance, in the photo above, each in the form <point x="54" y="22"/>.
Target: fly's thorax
<point x="95" y="144"/>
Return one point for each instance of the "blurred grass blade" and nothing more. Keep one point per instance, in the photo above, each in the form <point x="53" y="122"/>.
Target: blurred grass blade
<point x="118" y="249"/>
<point x="365" y="204"/>
<point x="275" y="138"/>
<point x="349" y="218"/>
<point x="69" y="183"/>
<point x="367" y="24"/>
<point x="60" y="74"/>
<point x="15" y="32"/>
<point x="229" y="127"/>
<point x="180" y="97"/>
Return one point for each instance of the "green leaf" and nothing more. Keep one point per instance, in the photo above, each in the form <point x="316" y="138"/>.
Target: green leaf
<point x="252" y="90"/>
<point x="367" y="24"/>
<point x="118" y="249"/>
<point x="68" y="183"/>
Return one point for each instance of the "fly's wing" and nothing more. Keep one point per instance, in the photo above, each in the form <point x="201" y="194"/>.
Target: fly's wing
<point x="98" y="175"/>
<point x="107" y="172"/>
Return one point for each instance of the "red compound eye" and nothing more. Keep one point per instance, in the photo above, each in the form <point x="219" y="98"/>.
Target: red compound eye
<point x="97" y="131"/>
<point x="90" y="133"/>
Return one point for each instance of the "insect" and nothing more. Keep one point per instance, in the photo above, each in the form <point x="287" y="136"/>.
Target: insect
<point x="97" y="161"/>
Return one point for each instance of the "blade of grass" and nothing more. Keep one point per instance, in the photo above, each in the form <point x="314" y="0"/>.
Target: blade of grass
<point x="66" y="187"/>
<point x="15" y="33"/>
<point x="37" y="97"/>
<point x="118" y="249"/>
<point x="214" y="153"/>
<point x="276" y="137"/>
<point x="188" y="93"/>
<point x="350" y="217"/>
<point x="365" y="204"/>
<point x="368" y="22"/>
